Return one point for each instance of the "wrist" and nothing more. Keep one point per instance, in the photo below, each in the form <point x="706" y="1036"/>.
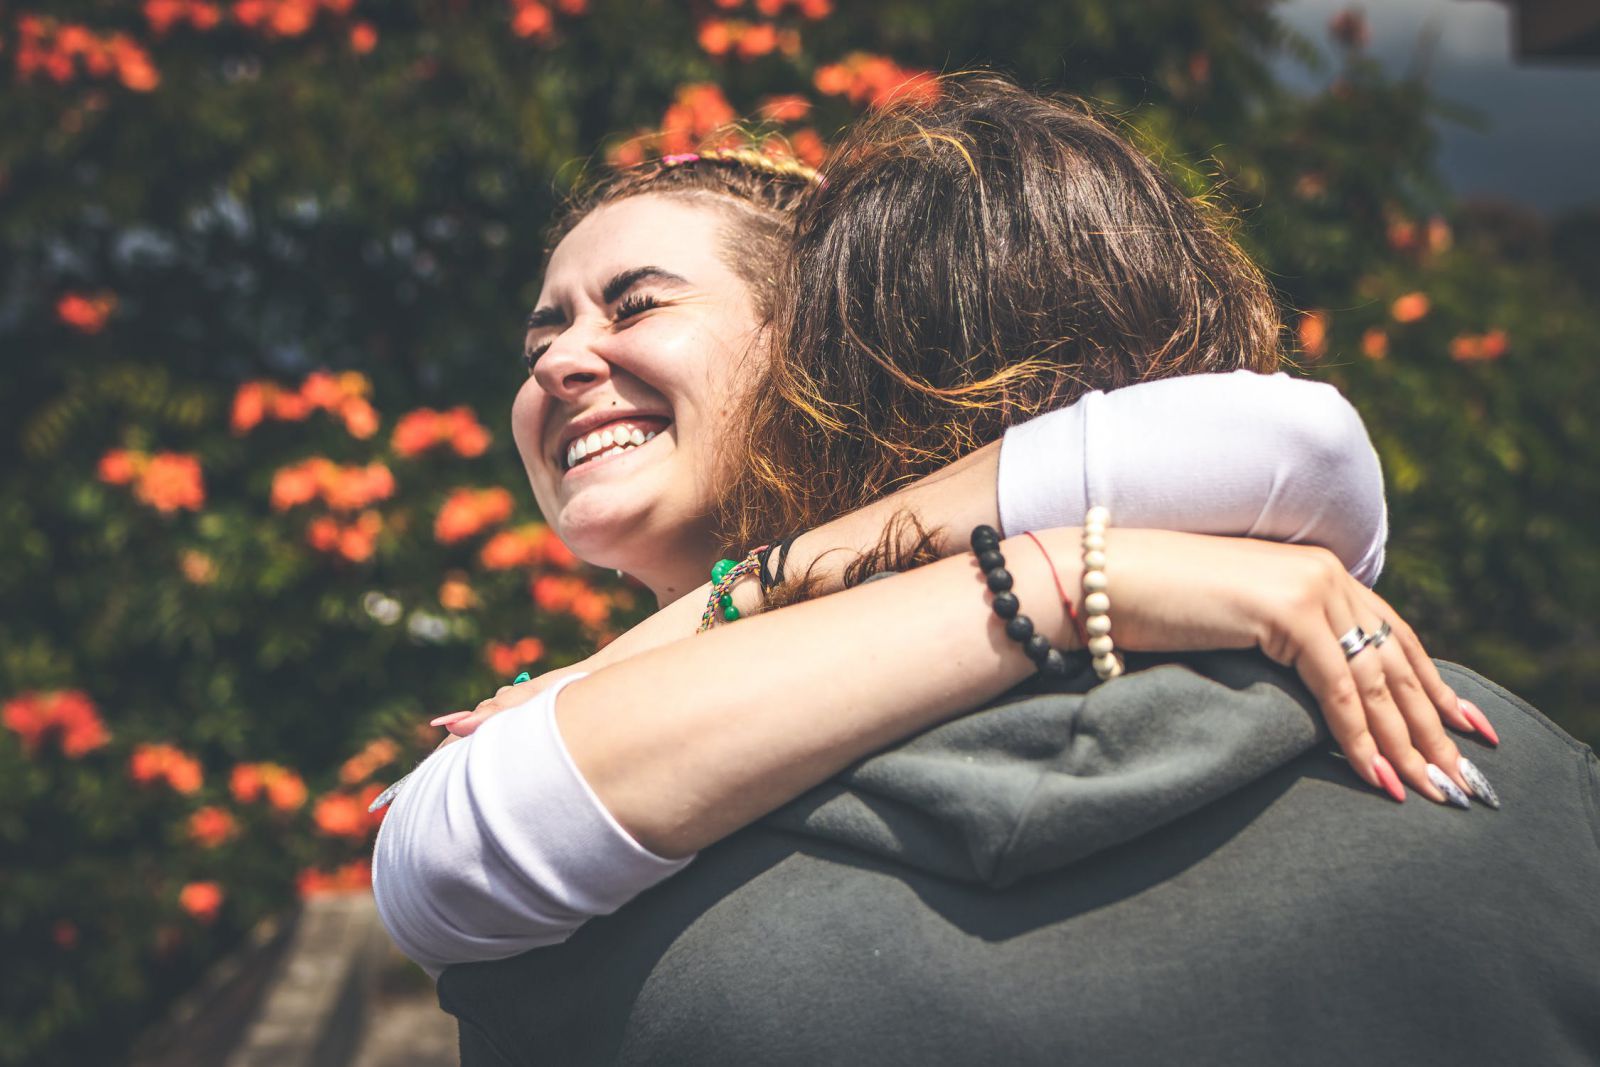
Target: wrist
<point x="1045" y="567"/>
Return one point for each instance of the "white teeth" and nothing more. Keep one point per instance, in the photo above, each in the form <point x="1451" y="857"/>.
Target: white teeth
<point x="612" y="441"/>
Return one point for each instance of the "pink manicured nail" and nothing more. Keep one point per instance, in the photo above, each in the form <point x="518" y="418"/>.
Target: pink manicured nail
<point x="446" y="720"/>
<point x="1480" y="721"/>
<point x="1384" y="770"/>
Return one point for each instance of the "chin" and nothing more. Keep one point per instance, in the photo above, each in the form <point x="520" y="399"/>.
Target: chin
<point x="605" y="533"/>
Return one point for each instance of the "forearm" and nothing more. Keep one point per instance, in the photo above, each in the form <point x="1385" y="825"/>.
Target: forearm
<point x="687" y="743"/>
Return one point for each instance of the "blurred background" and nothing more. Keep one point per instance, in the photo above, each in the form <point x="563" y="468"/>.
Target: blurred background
<point x="265" y="266"/>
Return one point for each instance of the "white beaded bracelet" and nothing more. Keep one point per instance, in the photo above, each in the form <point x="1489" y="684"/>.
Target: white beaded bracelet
<point x="1096" y="602"/>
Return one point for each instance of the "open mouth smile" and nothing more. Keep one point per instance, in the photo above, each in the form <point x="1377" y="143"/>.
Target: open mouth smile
<point x="612" y="439"/>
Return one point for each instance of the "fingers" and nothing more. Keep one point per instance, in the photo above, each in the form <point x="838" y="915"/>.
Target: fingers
<point x="1388" y="725"/>
<point x="1422" y="717"/>
<point x="1322" y="666"/>
<point x="1439" y="693"/>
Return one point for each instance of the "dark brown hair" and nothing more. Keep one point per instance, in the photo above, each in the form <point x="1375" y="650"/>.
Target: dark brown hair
<point x="965" y="264"/>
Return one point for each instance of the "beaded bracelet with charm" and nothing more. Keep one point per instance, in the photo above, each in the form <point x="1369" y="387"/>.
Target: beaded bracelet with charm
<point x="724" y="574"/>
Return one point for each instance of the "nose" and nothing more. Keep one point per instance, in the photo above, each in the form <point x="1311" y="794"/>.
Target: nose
<point x="571" y="365"/>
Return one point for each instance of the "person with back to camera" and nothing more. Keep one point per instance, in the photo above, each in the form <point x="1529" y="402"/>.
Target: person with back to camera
<point x="1146" y="870"/>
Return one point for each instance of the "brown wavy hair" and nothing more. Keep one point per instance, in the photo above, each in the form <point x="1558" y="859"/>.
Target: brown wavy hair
<point x="966" y="264"/>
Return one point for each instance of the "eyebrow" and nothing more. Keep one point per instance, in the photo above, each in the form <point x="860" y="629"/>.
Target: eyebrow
<point x="612" y="292"/>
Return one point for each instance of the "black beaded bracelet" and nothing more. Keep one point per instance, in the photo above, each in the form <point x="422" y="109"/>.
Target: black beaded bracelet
<point x="986" y="544"/>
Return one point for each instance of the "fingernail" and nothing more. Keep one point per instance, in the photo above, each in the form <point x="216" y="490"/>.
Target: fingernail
<point x="1480" y="785"/>
<point x="1479" y="721"/>
<point x="1384" y="771"/>
<point x="446" y="720"/>
<point x="1452" y="792"/>
<point x="519" y="679"/>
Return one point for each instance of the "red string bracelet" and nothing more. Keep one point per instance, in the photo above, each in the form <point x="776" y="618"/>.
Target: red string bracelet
<point x="1072" y="609"/>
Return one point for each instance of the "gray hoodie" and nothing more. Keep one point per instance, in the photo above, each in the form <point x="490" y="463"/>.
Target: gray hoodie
<point x="1170" y="868"/>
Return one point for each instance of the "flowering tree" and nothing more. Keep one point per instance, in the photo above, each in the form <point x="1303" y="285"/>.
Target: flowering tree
<point x="267" y="262"/>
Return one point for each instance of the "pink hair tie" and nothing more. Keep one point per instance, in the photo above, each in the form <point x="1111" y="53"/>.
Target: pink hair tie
<point x="679" y="158"/>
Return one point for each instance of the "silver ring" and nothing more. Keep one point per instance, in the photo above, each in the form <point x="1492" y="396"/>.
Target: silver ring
<point x="1380" y="635"/>
<point x="1352" y="641"/>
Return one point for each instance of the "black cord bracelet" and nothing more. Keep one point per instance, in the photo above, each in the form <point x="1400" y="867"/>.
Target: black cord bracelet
<point x="986" y="544"/>
<point x="772" y="578"/>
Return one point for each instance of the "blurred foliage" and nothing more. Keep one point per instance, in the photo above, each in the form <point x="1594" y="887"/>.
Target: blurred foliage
<point x="209" y="545"/>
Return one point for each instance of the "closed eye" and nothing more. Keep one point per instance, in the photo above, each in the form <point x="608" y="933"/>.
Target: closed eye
<point x="634" y="304"/>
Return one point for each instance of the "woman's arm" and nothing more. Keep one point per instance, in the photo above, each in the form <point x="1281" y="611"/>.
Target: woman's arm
<point x="1241" y="454"/>
<point x="682" y="745"/>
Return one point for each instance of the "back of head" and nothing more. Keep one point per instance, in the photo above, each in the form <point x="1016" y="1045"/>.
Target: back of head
<point x="966" y="264"/>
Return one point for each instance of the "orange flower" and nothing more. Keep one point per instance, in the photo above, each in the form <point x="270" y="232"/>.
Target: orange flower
<point x="249" y="406"/>
<point x="323" y="534"/>
<point x="286" y="791"/>
<point x="321" y="390"/>
<point x="758" y="40"/>
<point x="203" y="900"/>
<point x="289" y="407"/>
<point x="69" y="714"/>
<point x="353" y="488"/>
<point x="211" y="826"/>
<point x="1439" y="236"/>
<point x="134" y="68"/>
<point x="1402" y="235"/>
<point x="508" y="659"/>
<point x="466" y="435"/>
<point x="1375" y="344"/>
<point x="808" y="146"/>
<point x="715" y="37"/>
<point x="170" y="481"/>
<point x="163" y="762"/>
<point x="455" y="594"/>
<point x="353" y="877"/>
<point x="415" y="432"/>
<point x="532" y="19"/>
<point x="283" y="788"/>
<point x="363" y="38"/>
<point x="377" y="754"/>
<point x="164" y="14"/>
<point x="873" y="80"/>
<point x="86" y="312"/>
<point x="65" y="934"/>
<point x="245" y="783"/>
<point x="360" y="420"/>
<point x="197" y="567"/>
<point x="1411" y="307"/>
<point x="1313" y="334"/>
<point x="467" y="511"/>
<point x="119" y="467"/>
<point x="1475" y="348"/>
<point x="341" y="815"/>
<point x="292" y="486"/>
<point x="790" y="107"/>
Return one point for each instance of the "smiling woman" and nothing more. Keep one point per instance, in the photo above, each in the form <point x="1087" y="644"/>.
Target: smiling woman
<point x="642" y="330"/>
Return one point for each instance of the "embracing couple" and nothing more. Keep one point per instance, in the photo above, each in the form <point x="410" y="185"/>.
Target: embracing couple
<point x="1061" y="789"/>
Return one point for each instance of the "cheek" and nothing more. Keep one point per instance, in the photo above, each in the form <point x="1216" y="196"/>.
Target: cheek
<point x="527" y="422"/>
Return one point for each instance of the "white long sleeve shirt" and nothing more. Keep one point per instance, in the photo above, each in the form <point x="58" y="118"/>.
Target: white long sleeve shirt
<point x="497" y="845"/>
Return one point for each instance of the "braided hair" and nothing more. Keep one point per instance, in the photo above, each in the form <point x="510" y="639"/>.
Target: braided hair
<point x="757" y="191"/>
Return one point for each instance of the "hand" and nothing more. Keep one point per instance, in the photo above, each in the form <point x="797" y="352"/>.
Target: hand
<point x="463" y="723"/>
<point x="1385" y="705"/>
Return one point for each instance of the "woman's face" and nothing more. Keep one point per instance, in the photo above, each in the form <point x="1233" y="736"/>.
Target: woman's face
<point x="634" y="347"/>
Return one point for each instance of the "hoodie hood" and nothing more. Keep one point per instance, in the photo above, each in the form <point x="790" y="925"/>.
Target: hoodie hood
<point x="1043" y="778"/>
